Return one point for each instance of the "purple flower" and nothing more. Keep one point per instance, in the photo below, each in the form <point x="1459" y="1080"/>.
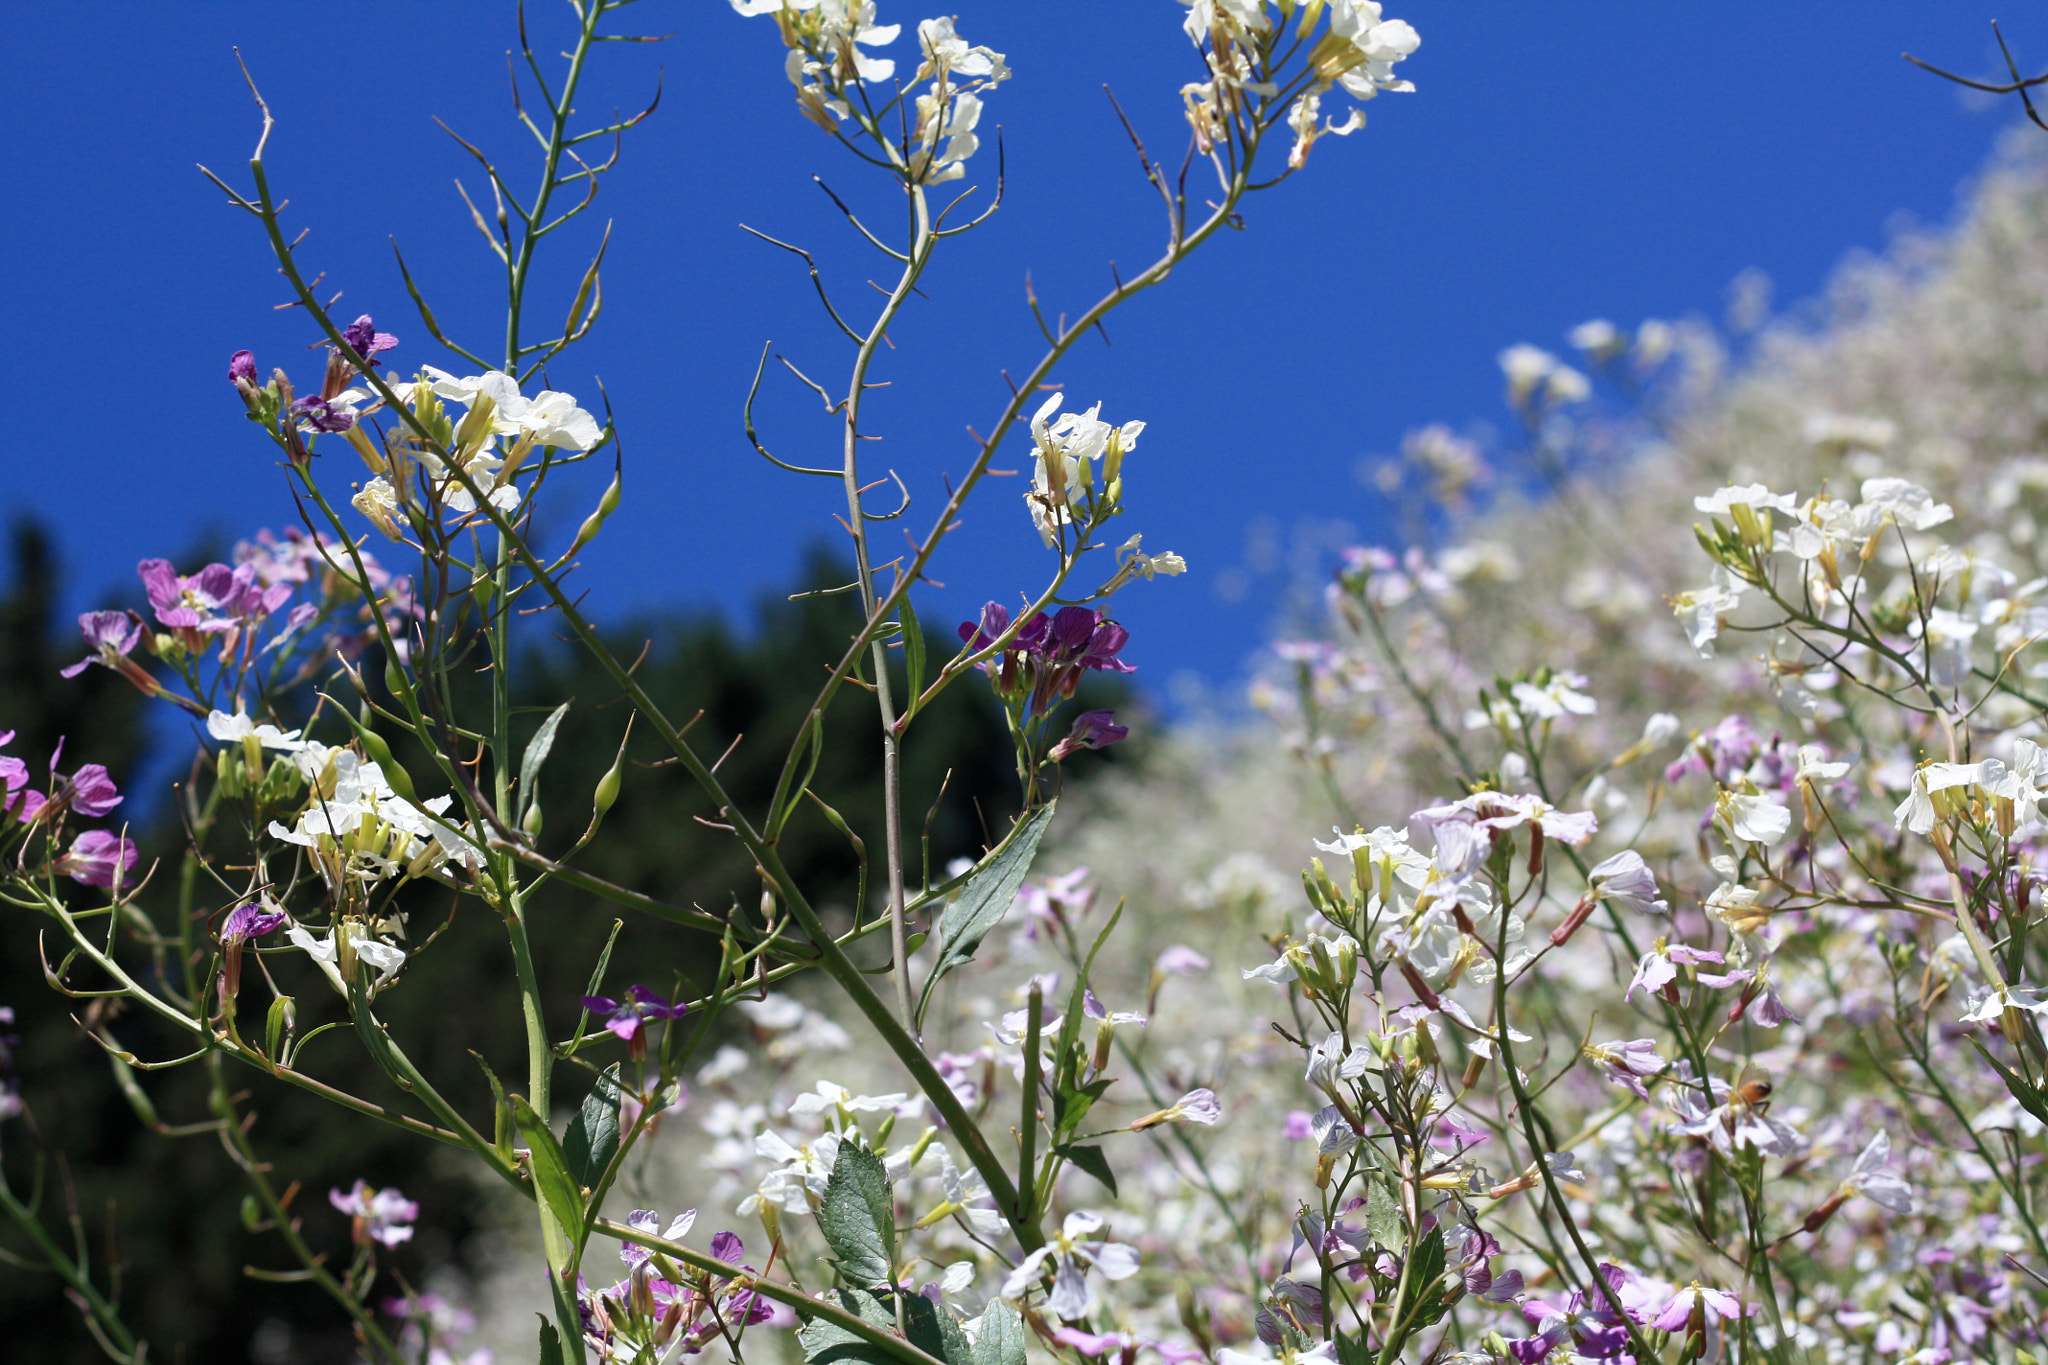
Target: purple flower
<point x="13" y="777"/>
<point x="649" y="1222"/>
<point x="380" y="1215"/>
<point x="243" y="923"/>
<point x="98" y="858"/>
<point x="364" y="339"/>
<point x="1297" y="1125"/>
<point x="215" y="601"/>
<point x="1092" y="730"/>
<point x="317" y="414"/>
<point x="727" y="1247"/>
<point x="110" y="635"/>
<point x="628" y="1018"/>
<point x="1696" y="1297"/>
<point x="89" y="791"/>
<point x="242" y="367"/>
<point x="1099" y="1343"/>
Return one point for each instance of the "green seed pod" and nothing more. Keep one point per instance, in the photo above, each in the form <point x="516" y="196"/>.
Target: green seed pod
<point x="394" y="677"/>
<point x="607" y="791"/>
<point x="227" y="770"/>
<point x="532" y="823"/>
<point x="379" y="753"/>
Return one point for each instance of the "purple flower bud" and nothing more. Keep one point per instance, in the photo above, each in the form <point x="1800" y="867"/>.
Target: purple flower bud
<point x="242" y="367"/>
<point x="1092" y="730"/>
<point x="364" y="338"/>
<point x="249" y="921"/>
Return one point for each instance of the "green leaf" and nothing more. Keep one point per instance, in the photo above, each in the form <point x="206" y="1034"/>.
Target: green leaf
<point x="593" y="1135"/>
<point x="1383" y="1218"/>
<point x="984" y="900"/>
<point x="932" y="1330"/>
<point x="1090" y="1159"/>
<point x="1002" y="1336"/>
<point x="1423" y="1303"/>
<point x="1353" y="1350"/>
<point x="858" y="1217"/>
<point x="536" y="754"/>
<point x="550" y="1343"/>
<point x="827" y="1343"/>
<point x="561" y="1202"/>
<point x="913" y="653"/>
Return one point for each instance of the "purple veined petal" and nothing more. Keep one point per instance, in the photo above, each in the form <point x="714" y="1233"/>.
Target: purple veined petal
<point x="216" y="583"/>
<point x="1115" y="1260"/>
<point x="160" y="581"/>
<point x="242" y="366"/>
<point x="597" y="1004"/>
<point x="1070" y="1295"/>
<point x="93" y="792"/>
<point x="1031" y="636"/>
<point x="727" y="1247"/>
<point x="1072" y="628"/>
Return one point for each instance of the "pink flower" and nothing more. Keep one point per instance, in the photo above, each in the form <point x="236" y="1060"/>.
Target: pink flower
<point x="1678" y="1311"/>
<point x="98" y="858"/>
<point x="382" y="1216"/>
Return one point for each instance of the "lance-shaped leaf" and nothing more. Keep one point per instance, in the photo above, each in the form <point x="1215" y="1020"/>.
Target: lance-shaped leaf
<point x="536" y="754"/>
<point x="561" y="1203"/>
<point x="858" y="1217"/>
<point x="984" y="901"/>
<point x="593" y="1135"/>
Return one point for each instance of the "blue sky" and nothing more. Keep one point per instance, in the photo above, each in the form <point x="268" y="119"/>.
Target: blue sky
<point x="1558" y="162"/>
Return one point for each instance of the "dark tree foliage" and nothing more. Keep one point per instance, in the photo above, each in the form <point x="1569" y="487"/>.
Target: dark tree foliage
<point x="172" y="1204"/>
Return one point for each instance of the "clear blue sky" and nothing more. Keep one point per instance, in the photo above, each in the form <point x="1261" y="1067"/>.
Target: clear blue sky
<point x="1558" y="162"/>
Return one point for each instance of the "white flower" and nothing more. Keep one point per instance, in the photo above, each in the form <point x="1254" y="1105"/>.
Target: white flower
<point x="553" y="419"/>
<point x="1908" y="504"/>
<point x="1554" y="698"/>
<point x="1874" y="1180"/>
<point x="1071" y="1256"/>
<point x="1067" y="448"/>
<point x="1702" y="609"/>
<point x="798" y="1180"/>
<point x="945" y="50"/>
<point x="1755" y="819"/>
<point x="1919" y="811"/>
<point x="1754" y="496"/>
<point x="830" y="1098"/>
<point x="378" y="501"/>
<point x="1626" y="880"/>
<point x="1814" y="765"/>
<point x="1386" y="852"/>
<point x="238" y="727"/>
<point x="326" y="951"/>
<point x="1998" y="1000"/>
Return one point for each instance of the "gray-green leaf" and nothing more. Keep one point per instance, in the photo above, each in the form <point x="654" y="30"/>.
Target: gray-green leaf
<point x="537" y="754"/>
<point x="827" y="1343"/>
<point x="1382" y="1218"/>
<point x="858" y="1217"/>
<point x="593" y="1135"/>
<point x="984" y="901"/>
<point x="1001" y="1341"/>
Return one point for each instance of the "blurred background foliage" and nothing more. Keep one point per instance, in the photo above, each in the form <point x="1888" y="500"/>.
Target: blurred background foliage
<point x="166" y="1208"/>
